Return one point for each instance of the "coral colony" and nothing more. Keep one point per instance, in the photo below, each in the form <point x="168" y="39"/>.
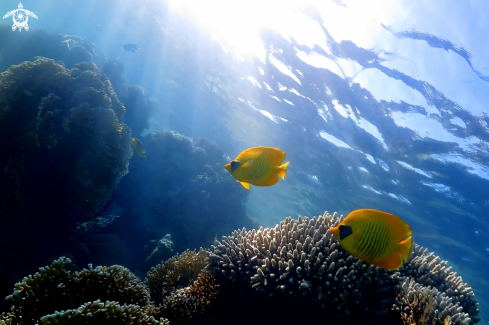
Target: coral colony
<point x="298" y="262"/>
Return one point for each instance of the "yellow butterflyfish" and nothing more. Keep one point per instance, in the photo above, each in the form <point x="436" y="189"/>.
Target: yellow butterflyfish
<point x="259" y="166"/>
<point x="138" y="147"/>
<point x="376" y="237"/>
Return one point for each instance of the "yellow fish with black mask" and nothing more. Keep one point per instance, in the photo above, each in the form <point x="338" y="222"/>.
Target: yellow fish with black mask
<point x="376" y="237"/>
<point x="259" y="166"/>
<point x="138" y="147"/>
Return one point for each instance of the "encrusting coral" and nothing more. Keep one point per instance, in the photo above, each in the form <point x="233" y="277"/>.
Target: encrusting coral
<point x="454" y="297"/>
<point x="302" y="259"/>
<point x="178" y="272"/>
<point x="64" y="145"/>
<point x="53" y="288"/>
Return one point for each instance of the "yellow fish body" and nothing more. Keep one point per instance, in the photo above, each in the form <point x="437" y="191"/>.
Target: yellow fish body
<point x="376" y="237"/>
<point x="138" y="147"/>
<point x="259" y="166"/>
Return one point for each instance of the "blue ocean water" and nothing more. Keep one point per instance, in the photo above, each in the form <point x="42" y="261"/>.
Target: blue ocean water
<point x="377" y="105"/>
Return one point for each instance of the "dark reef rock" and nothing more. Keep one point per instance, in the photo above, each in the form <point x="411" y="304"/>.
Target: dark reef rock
<point x="64" y="145"/>
<point x="107" y="249"/>
<point x="64" y="149"/>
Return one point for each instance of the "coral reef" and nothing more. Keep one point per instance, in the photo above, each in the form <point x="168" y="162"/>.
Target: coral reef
<point x="53" y="288"/>
<point x="454" y="297"/>
<point x="163" y="249"/>
<point x="183" y="304"/>
<point x="98" y="312"/>
<point x="421" y="305"/>
<point x="139" y="106"/>
<point x="302" y="260"/>
<point x="178" y="272"/>
<point x="64" y="145"/>
<point x="181" y="188"/>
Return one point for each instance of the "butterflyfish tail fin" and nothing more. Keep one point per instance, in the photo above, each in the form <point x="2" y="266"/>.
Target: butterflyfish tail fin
<point x="282" y="170"/>
<point x="245" y="185"/>
<point x="405" y="248"/>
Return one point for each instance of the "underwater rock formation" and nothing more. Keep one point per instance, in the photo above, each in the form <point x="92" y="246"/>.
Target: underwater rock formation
<point x="54" y="289"/>
<point x="64" y="145"/>
<point x="139" y="106"/>
<point x="162" y="249"/>
<point x="181" y="188"/>
<point x="177" y="272"/>
<point x="94" y="225"/>
<point x="71" y="50"/>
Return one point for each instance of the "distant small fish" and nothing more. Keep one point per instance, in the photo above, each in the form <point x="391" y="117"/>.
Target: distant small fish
<point x="376" y="237"/>
<point x="215" y="238"/>
<point x="467" y="259"/>
<point x="138" y="147"/>
<point x="27" y="93"/>
<point x="131" y="47"/>
<point x="259" y="166"/>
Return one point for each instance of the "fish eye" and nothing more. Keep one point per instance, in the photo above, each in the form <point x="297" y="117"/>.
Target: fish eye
<point x="345" y="231"/>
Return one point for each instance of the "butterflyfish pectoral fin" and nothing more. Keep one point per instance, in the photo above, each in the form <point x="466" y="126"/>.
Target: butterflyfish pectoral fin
<point x="245" y="185"/>
<point x="392" y="262"/>
<point x="282" y="170"/>
<point x="247" y="164"/>
<point x="405" y="247"/>
<point x="272" y="180"/>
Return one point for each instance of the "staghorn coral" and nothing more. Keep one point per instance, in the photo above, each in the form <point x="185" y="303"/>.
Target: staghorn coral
<point x="64" y="145"/>
<point x="188" y="302"/>
<point x="177" y="272"/>
<point x="302" y="260"/>
<point x="455" y="296"/>
<point x="53" y="288"/>
<point x="421" y="305"/>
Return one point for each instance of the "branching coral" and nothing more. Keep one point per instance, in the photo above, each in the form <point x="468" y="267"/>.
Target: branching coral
<point x="456" y="298"/>
<point x="108" y="313"/>
<point x="53" y="288"/>
<point x="301" y="259"/>
<point x="185" y="303"/>
<point x="418" y="305"/>
<point x="178" y="272"/>
<point x="64" y="145"/>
